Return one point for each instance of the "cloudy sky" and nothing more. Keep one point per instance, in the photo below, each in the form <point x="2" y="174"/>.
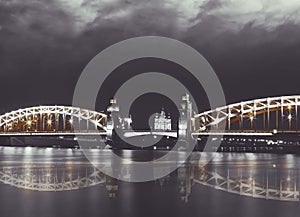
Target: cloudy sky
<point x="253" y="45"/>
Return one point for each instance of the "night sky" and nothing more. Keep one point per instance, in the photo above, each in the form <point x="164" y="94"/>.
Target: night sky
<point x="253" y="46"/>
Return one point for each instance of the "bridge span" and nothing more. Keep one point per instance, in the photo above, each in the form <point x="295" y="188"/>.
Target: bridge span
<point x="272" y="114"/>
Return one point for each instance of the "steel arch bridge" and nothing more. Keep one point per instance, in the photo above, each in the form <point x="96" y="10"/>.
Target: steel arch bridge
<point x="265" y="116"/>
<point x="51" y="120"/>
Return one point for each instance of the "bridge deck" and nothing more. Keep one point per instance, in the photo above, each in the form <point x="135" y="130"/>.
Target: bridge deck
<point x="245" y="132"/>
<point x="54" y="133"/>
<point x="228" y="133"/>
<point x="129" y="134"/>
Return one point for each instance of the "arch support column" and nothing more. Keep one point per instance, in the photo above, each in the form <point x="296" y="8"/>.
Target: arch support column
<point x="184" y="123"/>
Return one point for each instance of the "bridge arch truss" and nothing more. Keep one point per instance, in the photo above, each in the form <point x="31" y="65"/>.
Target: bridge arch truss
<point x="272" y="114"/>
<point x="52" y="119"/>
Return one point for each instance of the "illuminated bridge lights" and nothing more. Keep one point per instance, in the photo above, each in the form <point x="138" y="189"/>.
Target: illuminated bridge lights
<point x="259" y="117"/>
<point x="269" y="115"/>
<point x="51" y="118"/>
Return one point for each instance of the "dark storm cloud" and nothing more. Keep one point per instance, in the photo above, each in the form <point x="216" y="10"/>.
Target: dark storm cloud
<point x="34" y="19"/>
<point x="27" y="29"/>
<point x="44" y="45"/>
<point x="253" y="62"/>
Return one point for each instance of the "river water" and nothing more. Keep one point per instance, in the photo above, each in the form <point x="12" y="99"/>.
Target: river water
<point x="48" y="182"/>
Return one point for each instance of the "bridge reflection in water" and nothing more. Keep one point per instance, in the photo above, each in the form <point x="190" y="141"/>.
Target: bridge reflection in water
<point x="266" y="176"/>
<point x="55" y="178"/>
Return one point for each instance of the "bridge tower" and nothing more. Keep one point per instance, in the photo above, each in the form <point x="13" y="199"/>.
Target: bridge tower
<point x="113" y="122"/>
<point x="185" y="121"/>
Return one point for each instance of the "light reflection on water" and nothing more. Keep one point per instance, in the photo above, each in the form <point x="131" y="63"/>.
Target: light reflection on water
<point x="266" y="176"/>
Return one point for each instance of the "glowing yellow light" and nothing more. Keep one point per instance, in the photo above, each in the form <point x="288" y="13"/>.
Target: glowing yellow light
<point x="289" y="107"/>
<point x="29" y="122"/>
<point x="71" y="121"/>
<point x="290" y="117"/>
<point x="251" y="118"/>
<point x="274" y="165"/>
<point x="275" y="131"/>
<point x="113" y="101"/>
<point x="49" y="122"/>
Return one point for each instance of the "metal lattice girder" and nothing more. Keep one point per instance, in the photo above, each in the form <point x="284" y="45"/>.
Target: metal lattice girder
<point x="245" y="187"/>
<point x="98" y="118"/>
<point x="246" y="109"/>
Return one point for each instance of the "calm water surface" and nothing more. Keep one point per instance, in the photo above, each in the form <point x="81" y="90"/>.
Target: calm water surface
<point x="61" y="182"/>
